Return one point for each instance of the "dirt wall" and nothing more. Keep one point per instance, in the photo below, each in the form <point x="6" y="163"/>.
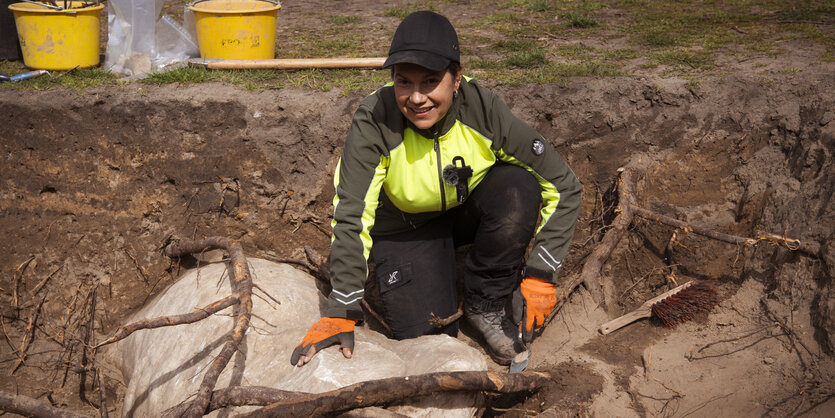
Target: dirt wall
<point x="94" y="183"/>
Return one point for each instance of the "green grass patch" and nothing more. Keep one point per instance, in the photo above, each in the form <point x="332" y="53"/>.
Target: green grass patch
<point x="527" y="59"/>
<point x="540" y="6"/>
<point x="719" y="38"/>
<point x="764" y="47"/>
<point x="588" y="69"/>
<point x="579" y="20"/>
<point x="660" y="38"/>
<point x="503" y="22"/>
<point x="346" y="80"/>
<point x="483" y="64"/>
<point x="516" y="45"/>
<point x="806" y="10"/>
<point x="548" y="73"/>
<point x="621" y="54"/>
<point x="327" y="43"/>
<point x="189" y="75"/>
<point x="576" y="51"/>
<point x="693" y="83"/>
<point x="77" y="79"/>
<point x="683" y="59"/>
<point x="513" y="25"/>
<point x="344" y="20"/>
<point x="789" y="70"/>
<point x="804" y="31"/>
<point x="402" y="12"/>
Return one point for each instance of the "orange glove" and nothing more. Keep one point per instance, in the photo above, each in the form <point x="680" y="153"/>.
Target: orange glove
<point x="540" y="298"/>
<point x="325" y="333"/>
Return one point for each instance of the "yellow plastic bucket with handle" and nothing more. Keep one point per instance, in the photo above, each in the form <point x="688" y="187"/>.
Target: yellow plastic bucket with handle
<point x="53" y="39"/>
<point x="235" y="29"/>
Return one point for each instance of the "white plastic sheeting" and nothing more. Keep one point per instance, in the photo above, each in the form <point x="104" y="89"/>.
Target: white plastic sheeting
<point x="139" y="41"/>
<point x="164" y="366"/>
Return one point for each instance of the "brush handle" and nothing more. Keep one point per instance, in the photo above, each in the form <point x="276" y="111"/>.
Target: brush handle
<point x="620" y="322"/>
<point x="644" y="311"/>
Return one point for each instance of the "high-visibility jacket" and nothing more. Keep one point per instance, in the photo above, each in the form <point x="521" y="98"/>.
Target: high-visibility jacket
<point x="389" y="180"/>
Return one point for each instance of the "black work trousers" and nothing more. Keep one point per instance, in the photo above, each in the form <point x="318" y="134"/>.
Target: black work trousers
<point x="416" y="270"/>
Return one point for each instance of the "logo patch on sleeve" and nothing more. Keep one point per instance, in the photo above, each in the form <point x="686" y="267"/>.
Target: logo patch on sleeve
<point x="537" y="146"/>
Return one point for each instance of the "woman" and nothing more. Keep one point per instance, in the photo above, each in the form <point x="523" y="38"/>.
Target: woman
<point x="433" y="161"/>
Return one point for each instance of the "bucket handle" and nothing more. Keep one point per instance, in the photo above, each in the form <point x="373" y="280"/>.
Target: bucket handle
<point x="275" y="2"/>
<point x="47" y="5"/>
<point x="61" y="8"/>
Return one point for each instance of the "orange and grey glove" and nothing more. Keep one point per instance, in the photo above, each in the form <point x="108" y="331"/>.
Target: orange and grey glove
<point x="325" y="333"/>
<point x="540" y="298"/>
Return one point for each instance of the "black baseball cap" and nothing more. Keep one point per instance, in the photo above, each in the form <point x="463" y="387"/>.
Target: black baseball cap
<point x="426" y="39"/>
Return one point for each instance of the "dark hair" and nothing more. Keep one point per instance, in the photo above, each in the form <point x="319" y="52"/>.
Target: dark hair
<point x="454" y="67"/>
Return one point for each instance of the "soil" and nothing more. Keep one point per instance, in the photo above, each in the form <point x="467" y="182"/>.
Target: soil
<point x="95" y="182"/>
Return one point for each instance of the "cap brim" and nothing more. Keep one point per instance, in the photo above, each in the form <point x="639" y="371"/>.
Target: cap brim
<point x="425" y="59"/>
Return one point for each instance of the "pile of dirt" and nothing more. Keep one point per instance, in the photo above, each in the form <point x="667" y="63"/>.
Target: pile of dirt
<point x="93" y="185"/>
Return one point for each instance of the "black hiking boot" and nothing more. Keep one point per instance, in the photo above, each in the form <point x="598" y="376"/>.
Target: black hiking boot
<point x="497" y="332"/>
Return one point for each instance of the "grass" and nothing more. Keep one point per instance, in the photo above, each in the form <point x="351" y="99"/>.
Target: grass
<point x="326" y="43"/>
<point x="77" y="79"/>
<point x="344" y="20"/>
<point x="576" y="52"/>
<point x="527" y="59"/>
<point x="528" y="41"/>
<point x="683" y="59"/>
<point x="402" y="12"/>
<point x="579" y="20"/>
<point x="345" y="80"/>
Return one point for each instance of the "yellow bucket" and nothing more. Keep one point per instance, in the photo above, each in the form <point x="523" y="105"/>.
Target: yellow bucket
<point x="235" y="29"/>
<point x="53" y="39"/>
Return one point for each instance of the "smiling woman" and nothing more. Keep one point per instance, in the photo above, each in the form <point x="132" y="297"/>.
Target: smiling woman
<point x="432" y="162"/>
<point x="423" y="95"/>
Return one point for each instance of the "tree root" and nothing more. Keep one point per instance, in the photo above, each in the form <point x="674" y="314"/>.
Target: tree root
<point x="31" y="407"/>
<point x="239" y="396"/>
<point x="810" y="248"/>
<point x="28" y="336"/>
<point x="590" y="275"/>
<point x="442" y="322"/>
<point x="242" y="287"/>
<point x="627" y="209"/>
<point x="383" y="391"/>
<point x="165" y="321"/>
<point x="241" y="298"/>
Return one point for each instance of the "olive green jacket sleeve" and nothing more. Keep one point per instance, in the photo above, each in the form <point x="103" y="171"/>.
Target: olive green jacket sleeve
<point x="516" y="142"/>
<point x="357" y="183"/>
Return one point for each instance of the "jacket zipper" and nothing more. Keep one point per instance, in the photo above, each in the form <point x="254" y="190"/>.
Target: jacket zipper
<point x="440" y="171"/>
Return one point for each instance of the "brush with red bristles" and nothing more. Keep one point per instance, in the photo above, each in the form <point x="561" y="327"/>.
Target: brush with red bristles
<point x="671" y="308"/>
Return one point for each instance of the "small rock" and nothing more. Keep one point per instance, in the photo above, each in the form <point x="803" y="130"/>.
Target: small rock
<point x="768" y="360"/>
<point x="827" y="117"/>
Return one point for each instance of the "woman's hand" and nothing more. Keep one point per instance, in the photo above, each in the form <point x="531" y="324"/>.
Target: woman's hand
<point x="324" y="333"/>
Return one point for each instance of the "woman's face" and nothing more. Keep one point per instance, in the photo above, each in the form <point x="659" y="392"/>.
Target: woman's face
<point x="423" y="95"/>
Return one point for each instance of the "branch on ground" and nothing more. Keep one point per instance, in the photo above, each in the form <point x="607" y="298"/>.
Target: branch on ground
<point x="31" y="407"/>
<point x="239" y="396"/>
<point x="383" y="391"/>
